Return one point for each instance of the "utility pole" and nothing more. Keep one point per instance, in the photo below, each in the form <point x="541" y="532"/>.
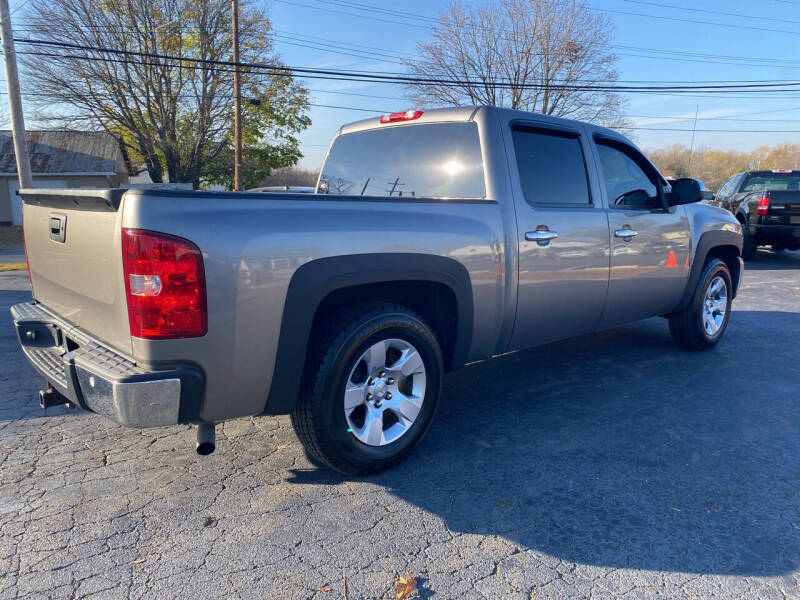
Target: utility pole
<point x="14" y="101"/>
<point x="237" y="101"/>
<point x="691" y="147"/>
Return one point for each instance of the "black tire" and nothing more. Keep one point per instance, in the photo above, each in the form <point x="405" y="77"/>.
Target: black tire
<point x="319" y="418"/>
<point x="686" y="326"/>
<point x="749" y="246"/>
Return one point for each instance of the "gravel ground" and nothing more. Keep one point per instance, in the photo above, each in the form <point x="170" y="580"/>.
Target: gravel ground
<point x="614" y="465"/>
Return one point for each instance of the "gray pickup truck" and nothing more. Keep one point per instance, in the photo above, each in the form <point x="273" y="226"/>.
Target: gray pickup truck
<point x="435" y="239"/>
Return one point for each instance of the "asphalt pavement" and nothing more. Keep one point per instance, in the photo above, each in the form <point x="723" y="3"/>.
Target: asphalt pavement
<point x="613" y="465"/>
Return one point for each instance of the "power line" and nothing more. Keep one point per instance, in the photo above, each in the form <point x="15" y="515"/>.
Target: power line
<point x="776" y="61"/>
<point x="723" y="59"/>
<point x="349" y="14"/>
<point x="370" y="7"/>
<point x="749" y="93"/>
<point x="718" y="130"/>
<point x="735" y="119"/>
<point x="785" y="86"/>
<point x="693" y="21"/>
<point x="609" y="10"/>
<point x="711" y="12"/>
<point x="347" y="49"/>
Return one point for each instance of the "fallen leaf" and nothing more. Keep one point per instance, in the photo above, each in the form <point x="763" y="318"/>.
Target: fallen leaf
<point x="675" y="508"/>
<point x="281" y="447"/>
<point x="323" y="588"/>
<point x="404" y="585"/>
<point x="138" y="560"/>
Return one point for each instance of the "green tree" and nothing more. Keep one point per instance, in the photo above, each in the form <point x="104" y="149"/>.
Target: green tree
<point x="174" y="116"/>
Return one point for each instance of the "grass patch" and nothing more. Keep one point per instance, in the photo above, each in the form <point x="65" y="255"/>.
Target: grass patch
<point x="12" y="267"/>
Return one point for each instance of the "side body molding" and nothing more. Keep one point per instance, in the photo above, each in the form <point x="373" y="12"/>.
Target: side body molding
<point x="313" y="281"/>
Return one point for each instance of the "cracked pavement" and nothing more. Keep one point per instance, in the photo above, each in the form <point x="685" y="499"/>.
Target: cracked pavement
<point x="613" y="465"/>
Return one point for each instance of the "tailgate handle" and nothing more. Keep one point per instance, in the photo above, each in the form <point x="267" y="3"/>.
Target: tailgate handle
<point x="58" y="228"/>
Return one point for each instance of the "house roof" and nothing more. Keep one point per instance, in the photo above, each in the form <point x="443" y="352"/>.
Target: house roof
<point x="75" y="152"/>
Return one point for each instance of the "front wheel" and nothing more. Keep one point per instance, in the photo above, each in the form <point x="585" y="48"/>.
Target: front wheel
<point x="749" y="246"/>
<point x="374" y="381"/>
<point x="701" y="325"/>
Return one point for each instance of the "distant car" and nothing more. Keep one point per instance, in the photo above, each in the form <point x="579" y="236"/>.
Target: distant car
<point x="767" y="204"/>
<point x="282" y="189"/>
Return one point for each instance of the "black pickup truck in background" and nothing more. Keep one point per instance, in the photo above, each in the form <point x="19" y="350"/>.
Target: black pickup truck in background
<point x="767" y="204"/>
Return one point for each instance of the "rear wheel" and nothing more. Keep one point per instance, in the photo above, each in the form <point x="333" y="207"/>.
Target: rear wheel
<point x="704" y="321"/>
<point x="374" y="381"/>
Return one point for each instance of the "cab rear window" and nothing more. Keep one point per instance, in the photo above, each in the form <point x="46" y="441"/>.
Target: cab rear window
<point x="772" y="181"/>
<point x="433" y="160"/>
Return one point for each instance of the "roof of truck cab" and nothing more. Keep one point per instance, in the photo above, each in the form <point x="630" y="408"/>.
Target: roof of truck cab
<point x="467" y="113"/>
<point x="459" y="113"/>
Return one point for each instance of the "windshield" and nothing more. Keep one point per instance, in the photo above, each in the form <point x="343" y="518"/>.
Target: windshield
<point x="773" y="181"/>
<point x="435" y="160"/>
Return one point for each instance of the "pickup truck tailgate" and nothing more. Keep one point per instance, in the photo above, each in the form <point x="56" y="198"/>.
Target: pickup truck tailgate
<point x="784" y="206"/>
<point x="72" y="239"/>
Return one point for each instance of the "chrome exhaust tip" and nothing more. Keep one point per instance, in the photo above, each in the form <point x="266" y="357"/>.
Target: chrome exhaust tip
<point x="206" y="439"/>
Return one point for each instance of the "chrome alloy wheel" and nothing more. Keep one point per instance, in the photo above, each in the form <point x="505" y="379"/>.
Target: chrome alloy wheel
<point x="715" y="304"/>
<point x="384" y="392"/>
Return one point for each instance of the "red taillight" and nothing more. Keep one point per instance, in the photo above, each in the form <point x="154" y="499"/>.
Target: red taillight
<point x="165" y="285"/>
<point x="763" y="205"/>
<point x="396" y="117"/>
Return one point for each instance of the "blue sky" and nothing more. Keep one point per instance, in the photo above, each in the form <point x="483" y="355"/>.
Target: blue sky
<point x="307" y="20"/>
<point x="770" y="32"/>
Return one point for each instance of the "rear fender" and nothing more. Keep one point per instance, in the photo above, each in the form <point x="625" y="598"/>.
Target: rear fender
<point x="315" y="280"/>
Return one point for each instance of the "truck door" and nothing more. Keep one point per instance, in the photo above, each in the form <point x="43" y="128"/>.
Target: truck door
<point x="650" y="241"/>
<point x="563" y="229"/>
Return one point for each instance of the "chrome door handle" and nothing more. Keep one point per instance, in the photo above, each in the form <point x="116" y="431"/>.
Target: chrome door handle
<point x="540" y="236"/>
<point x="625" y="233"/>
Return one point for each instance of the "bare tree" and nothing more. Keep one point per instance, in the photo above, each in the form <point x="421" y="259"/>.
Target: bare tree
<point x="714" y="167"/>
<point x="532" y="55"/>
<point x="175" y="116"/>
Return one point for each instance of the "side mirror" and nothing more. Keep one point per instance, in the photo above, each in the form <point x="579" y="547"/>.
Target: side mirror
<point x="686" y="191"/>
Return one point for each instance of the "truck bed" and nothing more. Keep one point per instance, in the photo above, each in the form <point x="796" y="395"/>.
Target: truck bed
<point x="252" y="244"/>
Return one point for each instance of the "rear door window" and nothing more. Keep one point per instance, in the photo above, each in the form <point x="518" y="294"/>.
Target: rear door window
<point x="434" y="160"/>
<point x="552" y="170"/>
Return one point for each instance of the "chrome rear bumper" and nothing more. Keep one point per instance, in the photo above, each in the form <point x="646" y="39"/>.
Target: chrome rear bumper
<point x="99" y="379"/>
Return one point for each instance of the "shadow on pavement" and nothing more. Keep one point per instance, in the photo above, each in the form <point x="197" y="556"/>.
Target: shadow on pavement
<point x="615" y="449"/>
<point x="620" y="450"/>
<point x="767" y="260"/>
